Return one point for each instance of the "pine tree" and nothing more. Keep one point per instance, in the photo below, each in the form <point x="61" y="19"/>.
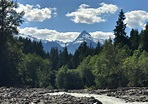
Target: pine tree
<point x="9" y="18"/>
<point x="144" y="38"/>
<point x="54" y="56"/>
<point x="64" y="56"/>
<point x="119" y="31"/>
<point x="134" y="39"/>
<point x="82" y="52"/>
<point x="98" y="48"/>
<point x="10" y="55"/>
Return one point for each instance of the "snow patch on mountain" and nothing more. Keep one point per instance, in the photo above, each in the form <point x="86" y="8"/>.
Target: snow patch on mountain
<point x="71" y="46"/>
<point x="84" y="36"/>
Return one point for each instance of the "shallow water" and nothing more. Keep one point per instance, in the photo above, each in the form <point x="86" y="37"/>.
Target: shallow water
<point x="103" y="98"/>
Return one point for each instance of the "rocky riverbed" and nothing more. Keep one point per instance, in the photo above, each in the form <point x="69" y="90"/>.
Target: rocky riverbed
<point x="129" y="94"/>
<point x="40" y="96"/>
<point x="46" y="96"/>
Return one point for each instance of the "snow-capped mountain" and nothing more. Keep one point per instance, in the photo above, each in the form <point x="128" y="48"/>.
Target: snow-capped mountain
<point x="50" y="44"/>
<point x="63" y="44"/>
<point x="71" y="46"/>
<point x="84" y="36"/>
<point x="47" y="45"/>
<point x="27" y="36"/>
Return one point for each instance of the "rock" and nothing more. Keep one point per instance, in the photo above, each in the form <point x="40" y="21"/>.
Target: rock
<point x="130" y="94"/>
<point x="145" y="92"/>
<point x="40" y="96"/>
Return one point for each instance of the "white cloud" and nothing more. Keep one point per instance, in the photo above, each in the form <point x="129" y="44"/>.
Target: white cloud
<point x="88" y="15"/>
<point x="36" y="13"/>
<point x="102" y="35"/>
<point x="61" y="36"/>
<point x="49" y="34"/>
<point x="136" y="18"/>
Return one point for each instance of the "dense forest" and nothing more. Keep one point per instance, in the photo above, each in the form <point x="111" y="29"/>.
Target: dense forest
<point x="119" y="62"/>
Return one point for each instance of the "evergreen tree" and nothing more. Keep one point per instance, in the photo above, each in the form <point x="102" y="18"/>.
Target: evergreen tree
<point x="144" y="38"/>
<point x="9" y="18"/>
<point x="82" y="52"/>
<point x="65" y="56"/>
<point x="10" y="55"/>
<point x="134" y="39"/>
<point x="54" y="56"/>
<point x="29" y="46"/>
<point x="119" y="31"/>
<point x="98" y="48"/>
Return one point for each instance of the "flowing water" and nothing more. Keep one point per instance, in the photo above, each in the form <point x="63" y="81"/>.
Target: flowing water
<point x="103" y="98"/>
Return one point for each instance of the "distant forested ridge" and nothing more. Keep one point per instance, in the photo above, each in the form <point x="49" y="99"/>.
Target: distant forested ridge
<point x="120" y="62"/>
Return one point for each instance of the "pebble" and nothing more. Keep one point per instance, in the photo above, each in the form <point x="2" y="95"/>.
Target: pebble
<point x="40" y="96"/>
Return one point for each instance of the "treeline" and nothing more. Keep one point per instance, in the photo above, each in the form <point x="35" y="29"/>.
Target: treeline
<point x="118" y="63"/>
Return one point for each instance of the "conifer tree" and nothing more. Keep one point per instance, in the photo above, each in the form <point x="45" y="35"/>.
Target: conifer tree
<point x="10" y="19"/>
<point x="98" y="48"/>
<point x="134" y="39"/>
<point x="144" y="38"/>
<point x="119" y="31"/>
<point x="10" y="55"/>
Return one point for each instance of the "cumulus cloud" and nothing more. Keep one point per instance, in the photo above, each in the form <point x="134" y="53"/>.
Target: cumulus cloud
<point x="47" y="34"/>
<point x="52" y="35"/>
<point x="102" y="35"/>
<point x="86" y="14"/>
<point x="136" y="18"/>
<point x="36" y="13"/>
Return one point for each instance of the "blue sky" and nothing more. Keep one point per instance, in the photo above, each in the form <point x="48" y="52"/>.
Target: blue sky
<point x="64" y="19"/>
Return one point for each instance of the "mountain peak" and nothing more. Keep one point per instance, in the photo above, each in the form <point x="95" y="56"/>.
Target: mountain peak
<point x="84" y="34"/>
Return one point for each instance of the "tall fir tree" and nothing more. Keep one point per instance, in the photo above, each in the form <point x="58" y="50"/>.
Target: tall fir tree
<point x="134" y="39"/>
<point x="119" y="31"/>
<point x="9" y="18"/>
<point x="98" y="48"/>
<point x="82" y="52"/>
<point x="10" y="54"/>
<point x="144" y="38"/>
<point x="65" y="56"/>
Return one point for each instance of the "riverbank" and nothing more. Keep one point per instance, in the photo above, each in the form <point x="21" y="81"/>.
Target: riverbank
<point x="132" y="95"/>
<point x="129" y="94"/>
<point x="40" y="96"/>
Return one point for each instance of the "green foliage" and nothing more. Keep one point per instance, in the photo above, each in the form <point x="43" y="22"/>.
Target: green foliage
<point x="68" y="79"/>
<point x="9" y="18"/>
<point x="82" y="52"/>
<point x="105" y="67"/>
<point x="135" y="67"/>
<point x="10" y="58"/>
<point x="134" y="39"/>
<point x="64" y="57"/>
<point x="10" y="54"/>
<point x="86" y="74"/>
<point x="35" y="71"/>
<point x="119" y="31"/>
<point x="29" y="46"/>
<point x="143" y="59"/>
<point x="115" y="64"/>
<point x="54" y="56"/>
<point x="144" y="38"/>
<point x="98" y="48"/>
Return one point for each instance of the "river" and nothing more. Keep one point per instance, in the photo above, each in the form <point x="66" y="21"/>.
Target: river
<point x="103" y="98"/>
